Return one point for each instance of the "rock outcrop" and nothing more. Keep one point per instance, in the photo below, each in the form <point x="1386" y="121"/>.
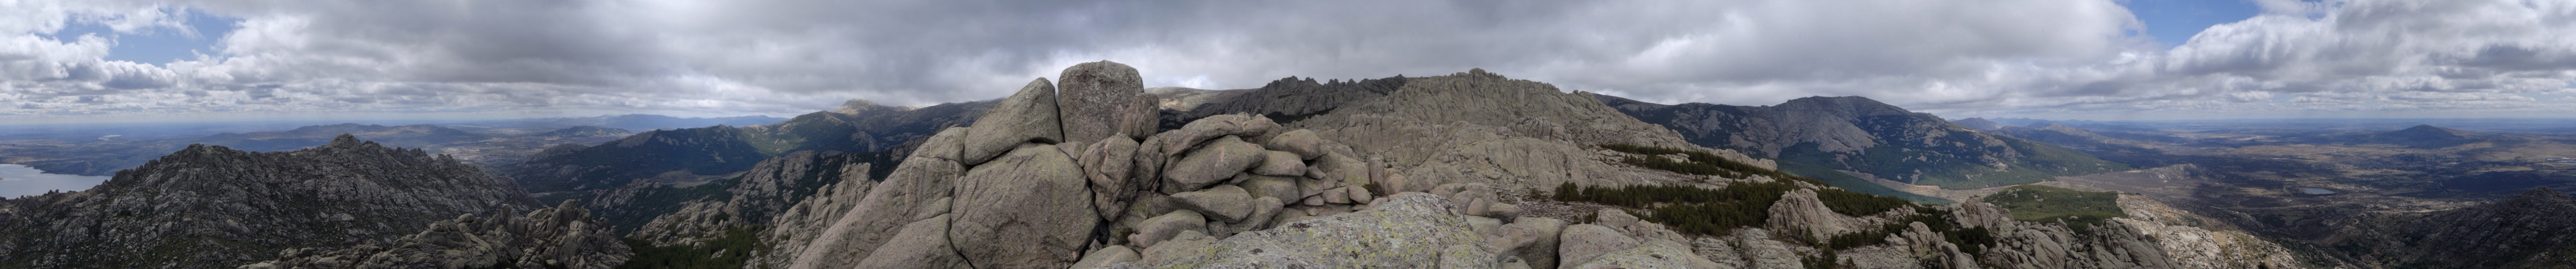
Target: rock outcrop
<point x="1427" y="174"/>
<point x="756" y="197"/>
<point x="565" y="236"/>
<point x="1101" y="99"/>
<point x="212" y="206"/>
<point x="1479" y="127"/>
<point x="1237" y="182"/>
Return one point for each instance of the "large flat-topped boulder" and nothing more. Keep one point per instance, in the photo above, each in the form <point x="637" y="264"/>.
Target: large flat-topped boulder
<point x="1101" y="99"/>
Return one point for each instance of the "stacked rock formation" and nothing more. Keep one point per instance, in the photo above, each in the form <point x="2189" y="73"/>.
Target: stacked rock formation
<point x="565" y="236"/>
<point x="1044" y="178"/>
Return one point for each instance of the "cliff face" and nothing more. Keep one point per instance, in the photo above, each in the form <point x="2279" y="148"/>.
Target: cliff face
<point x="211" y="206"/>
<point x="757" y="196"/>
<point x="1862" y="135"/>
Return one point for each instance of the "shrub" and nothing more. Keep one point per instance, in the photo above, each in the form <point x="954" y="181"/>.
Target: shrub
<point x="1859" y="204"/>
<point x="1687" y="209"/>
<point x="1699" y="163"/>
<point x="732" y="250"/>
<point x="2079" y="210"/>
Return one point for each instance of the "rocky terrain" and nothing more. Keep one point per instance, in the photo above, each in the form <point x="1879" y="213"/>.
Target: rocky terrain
<point x="2530" y="230"/>
<point x="1090" y="170"/>
<point x="561" y="237"/>
<point x="752" y="198"/>
<point x="212" y="206"/>
<point x="1857" y="134"/>
<point x="1242" y="190"/>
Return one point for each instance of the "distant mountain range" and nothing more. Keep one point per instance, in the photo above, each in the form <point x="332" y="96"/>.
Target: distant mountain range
<point x="101" y="157"/>
<point x="641" y="121"/>
<point x="1861" y="135"/>
<point x="706" y="152"/>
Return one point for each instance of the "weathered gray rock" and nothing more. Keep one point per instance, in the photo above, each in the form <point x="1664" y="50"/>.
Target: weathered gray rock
<point x="1108" y="166"/>
<point x="1155" y="230"/>
<point x="1226" y="203"/>
<point x="1114" y="254"/>
<point x="1027" y="116"/>
<point x="1188" y="243"/>
<point x="565" y="236"/>
<point x="1761" y="251"/>
<point x="922" y="244"/>
<point x="1029" y="208"/>
<point x="1467" y="256"/>
<point x="1799" y="213"/>
<point x="1350" y="171"/>
<point x="1304" y="143"/>
<point x="1280" y="163"/>
<point x="915" y="184"/>
<point x="1651" y="254"/>
<point x="1478" y="199"/>
<point x="1282" y="188"/>
<point x="1531" y="239"/>
<point x="1409" y="230"/>
<point x="1212" y="127"/>
<point x="1218" y="161"/>
<point x="1581" y="243"/>
<point x="1264" y="210"/>
<point x="1102" y="99"/>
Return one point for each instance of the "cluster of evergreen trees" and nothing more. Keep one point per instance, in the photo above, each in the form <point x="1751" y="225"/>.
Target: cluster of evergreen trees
<point x="1688" y="209"/>
<point x="1699" y="163"/>
<point x="1719" y="211"/>
<point x="732" y="250"/>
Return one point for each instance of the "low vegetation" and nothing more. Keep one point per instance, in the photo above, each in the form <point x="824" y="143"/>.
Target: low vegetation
<point x="1717" y="212"/>
<point x="732" y="250"/>
<point x="1705" y="211"/>
<point x="2080" y="210"/>
<point x="1697" y="163"/>
<point x="1687" y="209"/>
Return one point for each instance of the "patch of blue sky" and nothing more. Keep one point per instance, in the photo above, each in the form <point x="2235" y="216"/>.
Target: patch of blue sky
<point x="2173" y="22"/>
<point x="157" y="46"/>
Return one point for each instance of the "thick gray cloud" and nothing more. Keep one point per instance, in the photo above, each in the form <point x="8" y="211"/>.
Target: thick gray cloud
<point x="2000" y="58"/>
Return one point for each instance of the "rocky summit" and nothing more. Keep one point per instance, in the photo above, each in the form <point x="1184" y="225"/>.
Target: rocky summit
<point x="216" y="207"/>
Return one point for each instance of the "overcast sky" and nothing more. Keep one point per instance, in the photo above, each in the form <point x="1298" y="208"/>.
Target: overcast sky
<point x="118" y="60"/>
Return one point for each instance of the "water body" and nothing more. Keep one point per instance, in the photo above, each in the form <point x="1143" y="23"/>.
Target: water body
<point x="2316" y="191"/>
<point x="20" y="180"/>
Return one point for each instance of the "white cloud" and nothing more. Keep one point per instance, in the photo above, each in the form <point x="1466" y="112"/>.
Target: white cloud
<point x="792" y="56"/>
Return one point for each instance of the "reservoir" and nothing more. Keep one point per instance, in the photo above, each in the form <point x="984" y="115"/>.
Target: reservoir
<point x="20" y="180"/>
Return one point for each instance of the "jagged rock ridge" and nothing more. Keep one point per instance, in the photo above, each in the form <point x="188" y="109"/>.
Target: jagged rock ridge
<point x="212" y="206"/>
